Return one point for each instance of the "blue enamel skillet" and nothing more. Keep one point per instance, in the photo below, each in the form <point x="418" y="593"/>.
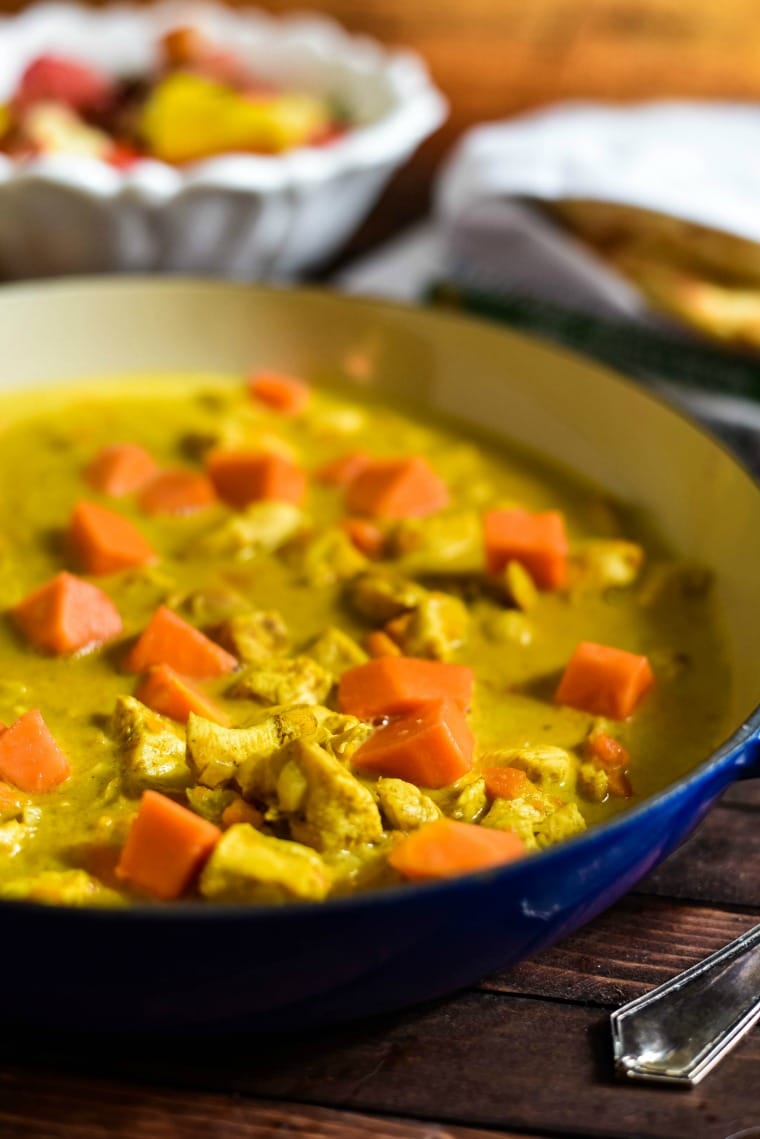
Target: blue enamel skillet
<point x="186" y="966"/>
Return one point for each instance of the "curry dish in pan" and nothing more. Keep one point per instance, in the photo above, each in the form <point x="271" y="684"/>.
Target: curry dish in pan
<point x="264" y="642"/>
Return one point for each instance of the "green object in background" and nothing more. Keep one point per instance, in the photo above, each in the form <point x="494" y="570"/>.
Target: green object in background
<point x="640" y="352"/>
<point x="717" y="386"/>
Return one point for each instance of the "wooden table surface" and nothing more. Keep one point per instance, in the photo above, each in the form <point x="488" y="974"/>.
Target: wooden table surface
<point x="526" y="1053"/>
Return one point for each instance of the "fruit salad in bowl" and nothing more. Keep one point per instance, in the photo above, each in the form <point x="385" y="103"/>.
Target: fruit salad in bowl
<point x="195" y="138"/>
<point x="198" y="100"/>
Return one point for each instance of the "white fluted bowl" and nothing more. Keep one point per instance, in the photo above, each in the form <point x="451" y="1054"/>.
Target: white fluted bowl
<point x="239" y="215"/>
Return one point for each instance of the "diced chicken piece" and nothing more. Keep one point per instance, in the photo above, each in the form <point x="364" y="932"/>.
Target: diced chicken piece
<point x="338" y="422"/>
<point x="446" y="544"/>
<point x="470" y="802"/>
<point x="326" y="806"/>
<point x="215" y="753"/>
<point x="337" y="811"/>
<point x="519" y="586"/>
<point x="604" y="563"/>
<point x="437" y="627"/>
<point x="509" y="627"/>
<point x="404" y="806"/>
<point x="593" y="782"/>
<point x="335" y="651"/>
<point x="331" y="557"/>
<point x="32" y="814"/>
<point x="380" y="595"/>
<point x="61" y="887"/>
<point x="152" y="747"/>
<point x="292" y="787"/>
<point x="361" y="868"/>
<point x="13" y="836"/>
<point x="288" y="680"/>
<point x="341" y="735"/>
<point x="210" y="606"/>
<point x="262" y="528"/>
<point x="517" y="815"/>
<point x="247" y="866"/>
<point x="254" y="637"/>
<point x="549" y="767"/>
<point x="208" y="803"/>
<point x="563" y="823"/>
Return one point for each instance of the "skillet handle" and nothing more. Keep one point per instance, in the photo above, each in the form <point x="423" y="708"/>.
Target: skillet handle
<point x="676" y="1034"/>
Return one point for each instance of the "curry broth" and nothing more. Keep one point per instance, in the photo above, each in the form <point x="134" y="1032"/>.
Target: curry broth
<point x="49" y="438"/>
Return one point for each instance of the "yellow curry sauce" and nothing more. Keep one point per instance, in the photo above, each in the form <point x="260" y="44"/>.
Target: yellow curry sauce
<point x="299" y="566"/>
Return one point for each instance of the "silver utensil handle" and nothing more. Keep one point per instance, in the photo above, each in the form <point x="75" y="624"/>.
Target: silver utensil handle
<point x="677" y="1033"/>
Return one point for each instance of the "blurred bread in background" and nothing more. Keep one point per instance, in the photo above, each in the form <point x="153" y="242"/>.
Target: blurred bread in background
<point x="707" y="279"/>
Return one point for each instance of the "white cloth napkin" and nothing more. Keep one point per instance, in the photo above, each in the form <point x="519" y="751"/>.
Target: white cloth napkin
<point x="696" y="161"/>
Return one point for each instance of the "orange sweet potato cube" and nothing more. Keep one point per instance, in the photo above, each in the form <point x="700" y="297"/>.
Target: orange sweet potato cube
<point x="396" y="488"/>
<point x="394" y="685"/>
<point x="30" y="758"/>
<point x="66" y="615"/>
<point x="604" y="681"/>
<point x="120" y="469"/>
<point x="165" y="691"/>
<point x="507" y="783"/>
<point x="430" y="748"/>
<point x="176" y="492"/>
<point x="282" y="393"/>
<point x="168" y="639"/>
<point x="537" y="541"/>
<point x="447" y="848"/>
<point x="341" y="470"/>
<point x="240" y="477"/>
<point x="105" y="542"/>
<point x="166" y="847"/>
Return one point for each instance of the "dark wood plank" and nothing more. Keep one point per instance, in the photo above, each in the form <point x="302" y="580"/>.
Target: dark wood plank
<point x="483" y="1059"/>
<point x="717" y="865"/>
<point x="46" y="1105"/>
<point x="745" y="793"/>
<point x="635" y="946"/>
